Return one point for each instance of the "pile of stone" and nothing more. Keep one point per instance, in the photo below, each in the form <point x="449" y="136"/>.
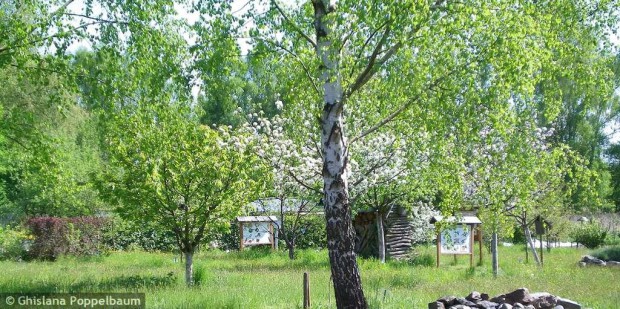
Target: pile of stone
<point x="520" y="298"/>
<point x="588" y="260"/>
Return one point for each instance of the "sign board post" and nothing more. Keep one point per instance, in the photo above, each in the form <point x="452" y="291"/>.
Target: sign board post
<point x="458" y="238"/>
<point x="256" y="230"/>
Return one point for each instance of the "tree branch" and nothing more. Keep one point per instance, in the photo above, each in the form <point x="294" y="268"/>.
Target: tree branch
<point x="394" y="114"/>
<point x="359" y="55"/>
<point x="295" y="27"/>
<point x="371" y="66"/>
<point x="58" y="11"/>
<point x="42" y="39"/>
<point x="303" y="184"/>
<point x="98" y="19"/>
<point x="303" y="65"/>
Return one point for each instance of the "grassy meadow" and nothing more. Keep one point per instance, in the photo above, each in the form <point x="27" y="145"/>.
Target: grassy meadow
<point x="259" y="279"/>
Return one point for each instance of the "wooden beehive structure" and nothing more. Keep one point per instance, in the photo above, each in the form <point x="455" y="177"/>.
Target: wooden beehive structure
<point x="398" y="233"/>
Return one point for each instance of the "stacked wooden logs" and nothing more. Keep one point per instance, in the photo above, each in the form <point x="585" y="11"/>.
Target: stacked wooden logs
<point x="399" y="235"/>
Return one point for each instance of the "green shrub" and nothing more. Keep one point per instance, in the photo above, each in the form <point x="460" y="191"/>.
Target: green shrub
<point x="608" y="254"/>
<point x="126" y="236"/>
<point x="229" y="239"/>
<point x="590" y="235"/>
<point x="518" y="237"/>
<point x="613" y="239"/>
<point x="200" y="275"/>
<point x="12" y="241"/>
<point x="313" y="234"/>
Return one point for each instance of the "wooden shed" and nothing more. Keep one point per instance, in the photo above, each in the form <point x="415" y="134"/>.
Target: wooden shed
<point x="398" y="233"/>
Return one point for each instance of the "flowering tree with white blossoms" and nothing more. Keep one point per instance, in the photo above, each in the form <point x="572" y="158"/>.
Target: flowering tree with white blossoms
<point x="386" y="169"/>
<point x="389" y="169"/>
<point x="508" y="171"/>
<point x="293" y="176"/>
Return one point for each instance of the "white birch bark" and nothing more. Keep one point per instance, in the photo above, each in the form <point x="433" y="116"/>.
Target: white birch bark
<point x="340" y="233"/>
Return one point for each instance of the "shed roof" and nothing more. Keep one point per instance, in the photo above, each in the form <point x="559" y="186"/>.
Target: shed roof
<point x="290" y="205"/>
<point x="257" y="219"/>
<point x="460" y="220"/>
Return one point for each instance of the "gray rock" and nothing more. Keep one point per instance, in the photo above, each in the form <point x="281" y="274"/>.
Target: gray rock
<point x="590" y="260"/>
<point x="558" y="307"/>
<point x="485" y="304"/>
<point x="474" y="297"/>
<point x="613" y="263"/>
<point x="568" y="304"/>
<point x="582" y="264"/>
<point x="436" y="305"/>
<point x="543" y="300"/>
<point x="499" y="299"/>
<point x="448" y="300"/>
<point x="506" y="306"/>
<point x="484" y="296"/>
<point x="517" y="296"/>
<point x="460" y="307"/>
<point x="539" y="294"/>
<point x="529" y="307"/>
<point x="465" y="302"/>
<point x="518" y="306"/>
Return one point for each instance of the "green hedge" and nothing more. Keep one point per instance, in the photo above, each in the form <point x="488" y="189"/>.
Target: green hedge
<point x="608" y="254"/>
<point x="127" y="236"/>
<point x="591" y="235"/>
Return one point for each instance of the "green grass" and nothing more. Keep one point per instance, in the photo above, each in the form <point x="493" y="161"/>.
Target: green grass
<point x="255" y="279"/>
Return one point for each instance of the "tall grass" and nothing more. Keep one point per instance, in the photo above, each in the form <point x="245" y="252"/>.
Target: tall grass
<point x="262" y="279"/>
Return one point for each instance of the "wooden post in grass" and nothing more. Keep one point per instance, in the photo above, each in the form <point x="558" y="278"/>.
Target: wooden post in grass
<point x="438" y="248"/>
<point x="471" y="245"/>
<point x="480" y="241"/>
<point x="240" y="236"/>
<point x="273" y="237"/>
<point x="541" y="250"/>
<point x="306" y="291"/>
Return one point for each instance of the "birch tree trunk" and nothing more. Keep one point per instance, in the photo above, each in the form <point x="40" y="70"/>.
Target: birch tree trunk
<point x="189" y="268"/>
<point x="340" y="234"/>
<point x="380" y="237"/>
<point x="528" y="237"/>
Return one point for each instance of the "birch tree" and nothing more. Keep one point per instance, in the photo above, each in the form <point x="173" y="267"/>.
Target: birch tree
<point x="422" y="54"/>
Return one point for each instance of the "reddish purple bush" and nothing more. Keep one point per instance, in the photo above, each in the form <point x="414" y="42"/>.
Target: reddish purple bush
<point x="57" y="236"/>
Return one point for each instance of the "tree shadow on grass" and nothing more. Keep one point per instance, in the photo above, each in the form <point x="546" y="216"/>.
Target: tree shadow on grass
<point x="128" y="283"/>
<point x="119" y="283"/>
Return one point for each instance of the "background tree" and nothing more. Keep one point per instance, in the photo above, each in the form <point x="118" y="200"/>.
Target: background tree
<point x="294" y="179"/>
<point x="167" y="168"/>
<point x="49" y="147"/>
